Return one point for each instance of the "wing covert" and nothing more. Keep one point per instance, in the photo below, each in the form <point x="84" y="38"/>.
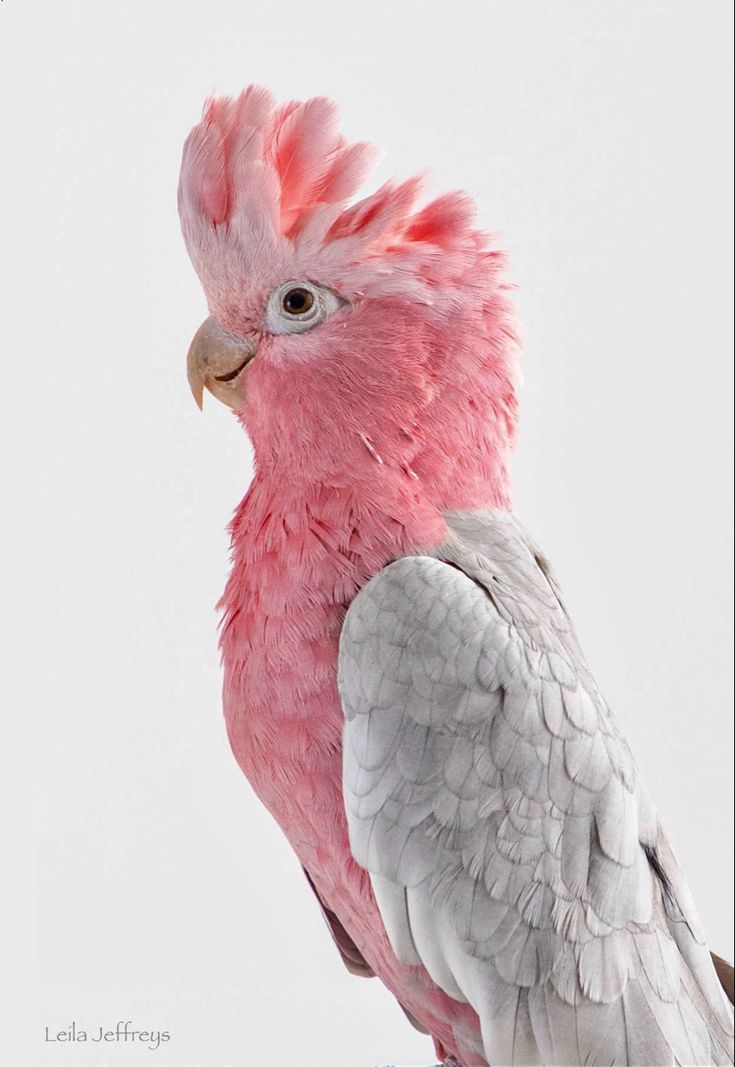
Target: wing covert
<point x="497" y="807"/>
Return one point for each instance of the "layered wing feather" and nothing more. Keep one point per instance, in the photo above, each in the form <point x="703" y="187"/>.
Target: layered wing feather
<point x="512" y="849"/>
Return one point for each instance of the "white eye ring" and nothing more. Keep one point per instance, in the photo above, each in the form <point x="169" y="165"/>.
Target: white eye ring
<point x="298" y="306"/>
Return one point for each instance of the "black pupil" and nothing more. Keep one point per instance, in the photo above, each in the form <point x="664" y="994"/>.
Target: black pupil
<point x="297" y="301"/>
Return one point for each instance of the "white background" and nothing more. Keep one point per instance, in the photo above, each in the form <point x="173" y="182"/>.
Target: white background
<point x="596" y="139"/>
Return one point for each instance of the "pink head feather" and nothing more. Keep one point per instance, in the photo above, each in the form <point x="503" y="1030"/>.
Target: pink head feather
<point x="263" y="198"/>
<point x="259" y="180"/>
<point x="262" y="170"/>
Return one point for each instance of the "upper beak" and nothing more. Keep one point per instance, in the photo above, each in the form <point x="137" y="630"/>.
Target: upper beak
<point x="215" y="362"/>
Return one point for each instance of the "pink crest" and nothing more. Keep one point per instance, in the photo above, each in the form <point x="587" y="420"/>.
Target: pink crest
<point x="251" y="157"/>
<point x="258" y="174"/>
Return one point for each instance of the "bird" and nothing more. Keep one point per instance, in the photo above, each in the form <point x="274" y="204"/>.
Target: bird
<point x="402" y="683"/>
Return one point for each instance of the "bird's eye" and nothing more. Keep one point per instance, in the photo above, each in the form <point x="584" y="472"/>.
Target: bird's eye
<point x="298" y="301"/>
<point x="298" y="306"/>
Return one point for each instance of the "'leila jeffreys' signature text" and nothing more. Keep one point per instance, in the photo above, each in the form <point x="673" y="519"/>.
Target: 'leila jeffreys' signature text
<point x="123" y="1032"/>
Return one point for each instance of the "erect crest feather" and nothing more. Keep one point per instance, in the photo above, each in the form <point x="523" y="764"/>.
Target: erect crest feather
<point x="246" y="149"/>
<point x="269" y="173"/>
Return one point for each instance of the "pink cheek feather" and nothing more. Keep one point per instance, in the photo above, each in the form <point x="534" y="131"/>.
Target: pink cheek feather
<point x="313" y="397"/>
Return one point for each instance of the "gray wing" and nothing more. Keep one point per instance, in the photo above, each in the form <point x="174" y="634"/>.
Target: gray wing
<point x="512" y="849"/>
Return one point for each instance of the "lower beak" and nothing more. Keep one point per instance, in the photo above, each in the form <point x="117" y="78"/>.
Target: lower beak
<point x="216" y="361"/>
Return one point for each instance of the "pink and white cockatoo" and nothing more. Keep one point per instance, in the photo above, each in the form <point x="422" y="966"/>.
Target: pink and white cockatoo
<point x="403" y="686"/>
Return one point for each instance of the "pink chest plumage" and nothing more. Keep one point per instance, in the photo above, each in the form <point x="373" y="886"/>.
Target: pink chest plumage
<point x="292" y="579"/>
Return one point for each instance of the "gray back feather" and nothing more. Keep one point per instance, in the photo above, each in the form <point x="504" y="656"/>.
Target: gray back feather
<point x="493" y="799"/>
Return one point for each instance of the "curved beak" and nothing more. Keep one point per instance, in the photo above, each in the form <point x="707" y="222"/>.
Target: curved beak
<point x="216" y="361"/>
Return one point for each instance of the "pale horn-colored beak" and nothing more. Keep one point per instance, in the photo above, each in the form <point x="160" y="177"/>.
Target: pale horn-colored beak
<point x="215" y="362"/>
